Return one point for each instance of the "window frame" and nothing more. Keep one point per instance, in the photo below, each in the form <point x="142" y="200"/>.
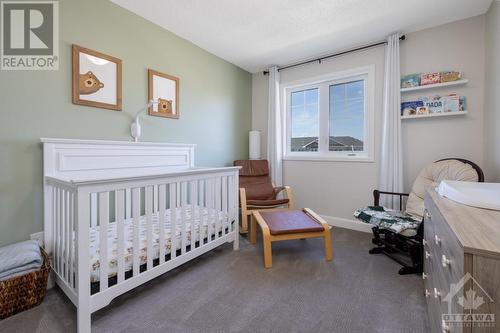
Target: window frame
<point x="323" y="84"/>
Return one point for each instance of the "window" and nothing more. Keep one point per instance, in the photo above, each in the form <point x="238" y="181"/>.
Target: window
<point x="331" y="119"/>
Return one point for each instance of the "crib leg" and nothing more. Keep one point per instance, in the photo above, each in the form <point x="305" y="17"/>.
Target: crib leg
<point x="83" y="320"/>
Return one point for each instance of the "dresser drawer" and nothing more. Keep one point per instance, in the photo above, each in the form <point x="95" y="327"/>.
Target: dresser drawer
<point x="446" y="251"/>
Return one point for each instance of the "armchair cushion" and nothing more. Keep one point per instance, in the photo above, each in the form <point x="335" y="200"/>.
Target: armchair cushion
<point x="252" y="168"/>
<point x="258" y="188"/>
<point x="396" y="221"/>
<point x="431" y="176"/>
<point x="267" y="203"/>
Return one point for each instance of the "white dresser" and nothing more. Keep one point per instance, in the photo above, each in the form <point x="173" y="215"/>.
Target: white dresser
<point x="461" y="266"/>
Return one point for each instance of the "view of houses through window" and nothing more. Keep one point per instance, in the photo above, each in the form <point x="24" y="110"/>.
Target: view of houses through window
<point x="345" y="118"/>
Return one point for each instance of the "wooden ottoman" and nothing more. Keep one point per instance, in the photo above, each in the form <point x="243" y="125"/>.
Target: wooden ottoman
<point x="280" y="225"/>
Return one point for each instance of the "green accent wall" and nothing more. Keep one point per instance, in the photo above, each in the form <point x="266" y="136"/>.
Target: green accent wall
<point x="215" y="104"/>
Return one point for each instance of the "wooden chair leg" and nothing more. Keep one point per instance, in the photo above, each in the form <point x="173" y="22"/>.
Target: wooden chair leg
<point x="328" y="245"/>
<point x="244" y="223"/>
<point x="253" y="230"/>
<point x="268" y="255"/>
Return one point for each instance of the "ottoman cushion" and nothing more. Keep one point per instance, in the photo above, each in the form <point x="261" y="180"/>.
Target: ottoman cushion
<point x="290" y="222"/>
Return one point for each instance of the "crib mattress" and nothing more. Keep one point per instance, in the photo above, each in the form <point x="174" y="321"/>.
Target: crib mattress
<point x="194" y="225"/>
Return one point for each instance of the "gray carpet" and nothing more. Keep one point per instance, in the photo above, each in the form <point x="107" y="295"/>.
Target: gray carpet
<point x="227" y="291"/>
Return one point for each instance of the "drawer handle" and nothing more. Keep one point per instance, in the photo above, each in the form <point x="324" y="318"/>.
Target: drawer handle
<point x="445" y="327"/>
<point x="445" y="261"/>
<point x="427" y="214"/>
<point x="427" y="254"/>
<point x="437" y="293"/>
<point x="427" y="293"/>
<point x="424" y="276"/>
<point x="424" y="242"/>
<point x="437" y="240"/>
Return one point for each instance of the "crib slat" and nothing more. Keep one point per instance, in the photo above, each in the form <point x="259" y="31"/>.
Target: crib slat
<point x="161" y="221"/>
<point x="208" y="218"/>
<point x="173" y="220"/>
<point x="224" y="205"/>
<point x="72" y="218"/>
<point x="59" y="231"/>
<point x="120" y="212"/>
<point x="235" y="207"/>
<point x="183" y="217"/>
<point x="128" y="203"/>
<point x="194" y="206"/>
<point x="149" y="226"/>
<point x="217" y="189"/>
<point x="103" y="239"/>
<point x="136" y="213"/>
<point x="178" y="195"/>
<point x="155" y="199"/>
<point x="66" y="235"/>
<point x="54" y="227"/>
<point x="200" y="211"/>
<point x="61" y="234"/>
<point x="93" y="209"/>
<point x="230" y="200"/>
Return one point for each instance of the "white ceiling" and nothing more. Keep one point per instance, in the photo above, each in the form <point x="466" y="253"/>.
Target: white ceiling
<point x="254" y="34"/>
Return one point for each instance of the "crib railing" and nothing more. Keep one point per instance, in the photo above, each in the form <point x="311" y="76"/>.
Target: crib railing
<point x="136" y="226"/>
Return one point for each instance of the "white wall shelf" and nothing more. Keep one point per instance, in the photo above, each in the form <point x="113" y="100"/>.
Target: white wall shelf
<point x="437" y="85"/>
<point x="442" y="114"/>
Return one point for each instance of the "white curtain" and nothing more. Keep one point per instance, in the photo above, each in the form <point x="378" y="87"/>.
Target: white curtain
<point x="275" y="129"/>
<point x="391" y="164"/>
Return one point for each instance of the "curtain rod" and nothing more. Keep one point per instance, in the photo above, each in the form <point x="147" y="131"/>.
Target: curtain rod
<point x="403" y="37"/>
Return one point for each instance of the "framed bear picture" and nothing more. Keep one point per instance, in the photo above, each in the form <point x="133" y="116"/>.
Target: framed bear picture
<point x="163" y="89"/>
<point x="97" y="79"/>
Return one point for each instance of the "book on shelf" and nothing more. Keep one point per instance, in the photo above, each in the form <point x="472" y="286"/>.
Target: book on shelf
<point x="410" y="108"/>
<point x="434" y="104"/>
<point x="430" y="78"/>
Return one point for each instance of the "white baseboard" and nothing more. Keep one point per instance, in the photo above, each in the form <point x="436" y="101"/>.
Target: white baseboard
<point x="347" y="223"/>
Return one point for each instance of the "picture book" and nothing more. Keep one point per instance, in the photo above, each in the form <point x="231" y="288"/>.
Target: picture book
<point x="451" y="103"/>
<point x="433" y="104"/>
<point x="411" y="80"/>
<point x="448" y="76"/>
<point x="430" y="78"/>
<point x="410" y="108"/>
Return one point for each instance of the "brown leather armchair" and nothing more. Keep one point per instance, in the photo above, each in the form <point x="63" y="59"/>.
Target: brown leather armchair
<point x="257" y="191"/>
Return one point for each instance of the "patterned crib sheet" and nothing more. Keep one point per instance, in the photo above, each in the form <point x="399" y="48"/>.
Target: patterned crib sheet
<point x="200" y="214"/>
<point x="396" y="221"/>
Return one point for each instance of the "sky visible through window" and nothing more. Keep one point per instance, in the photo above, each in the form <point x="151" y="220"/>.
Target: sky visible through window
<point x="346" y="111"/>
<point x="305" y="113"/>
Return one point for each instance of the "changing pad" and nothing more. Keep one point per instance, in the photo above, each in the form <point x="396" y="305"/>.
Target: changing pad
<point x="481" y="195"/>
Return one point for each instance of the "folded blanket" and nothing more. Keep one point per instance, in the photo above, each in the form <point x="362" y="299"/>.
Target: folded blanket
<point x="396" y="221"/>
<point x="19" y="258"/>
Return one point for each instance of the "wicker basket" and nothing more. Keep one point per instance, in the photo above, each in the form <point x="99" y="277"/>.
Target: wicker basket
<point x="24" y="292"/>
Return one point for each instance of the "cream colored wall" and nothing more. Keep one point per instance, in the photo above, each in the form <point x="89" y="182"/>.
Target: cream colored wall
<point x="460" y="46"/>
<point x="335" y="189"/>
<point x="492" y="94"/>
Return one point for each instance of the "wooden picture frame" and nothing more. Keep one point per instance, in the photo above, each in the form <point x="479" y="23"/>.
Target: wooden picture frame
<point x="96" y="78"/>
<point x="163" y="89"/>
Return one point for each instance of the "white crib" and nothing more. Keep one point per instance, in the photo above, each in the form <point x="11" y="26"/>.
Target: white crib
<point x="154" y="210"/>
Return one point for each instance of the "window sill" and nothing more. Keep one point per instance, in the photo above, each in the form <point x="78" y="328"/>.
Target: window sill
<point x="326" y="158"/>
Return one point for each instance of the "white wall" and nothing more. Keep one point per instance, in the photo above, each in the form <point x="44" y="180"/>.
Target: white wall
<point x="492" y="94"/>
<point x="335" y="189"/>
